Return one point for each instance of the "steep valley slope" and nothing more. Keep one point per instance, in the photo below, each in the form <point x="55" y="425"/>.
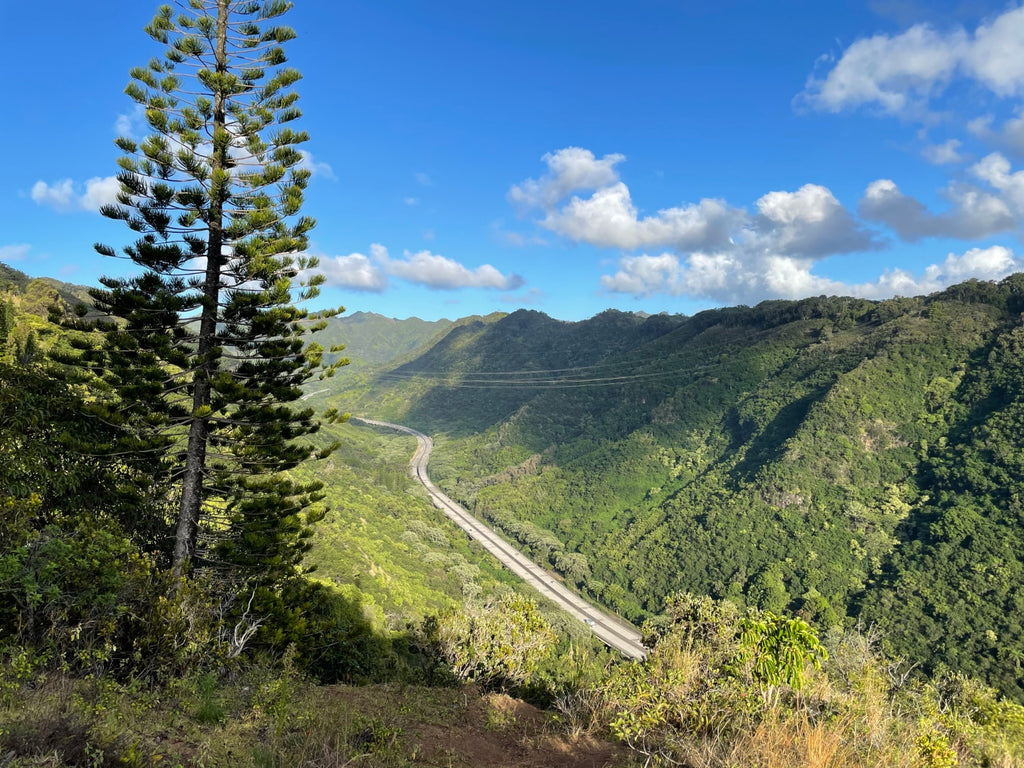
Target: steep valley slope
<point x="848" y="460"/>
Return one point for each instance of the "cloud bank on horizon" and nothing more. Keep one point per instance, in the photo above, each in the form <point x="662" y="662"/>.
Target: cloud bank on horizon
<point x="358" y="272"/>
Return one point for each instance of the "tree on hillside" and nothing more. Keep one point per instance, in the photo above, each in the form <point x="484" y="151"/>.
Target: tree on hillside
<point x="6" y="322"/>
<point x="203" y="348"/>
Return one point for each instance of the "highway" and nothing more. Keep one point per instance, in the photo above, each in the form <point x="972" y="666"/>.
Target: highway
<point x="610" y="629"/>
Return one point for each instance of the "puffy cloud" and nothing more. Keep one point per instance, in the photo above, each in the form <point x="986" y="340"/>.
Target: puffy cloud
<point x="569" y="170"/>
<point x="99" y="192"/>
<point x="355" y="272"/>
<point x="992" y="263"/>
<point x="14" y="252"/>
<point x="996" y="57"/>
<point x="749" y="278"/>
<point x="439" y="272"/>
<point x="58" y="195"/>
<point x="63" y="197"/>
<point x="132" y="125"/>
<point x="974" y="212"/>
<point x="714" y="251"/>
<point x="608" y="218"/>
<point x="736" y="277"/>
<point x="994" y="169"/>
<point x="901" y="73"/>
<point x="809" y="222"/>
<point x="896" y="73"/>
<point x="645" y="275"/>
<point x="359" y="272"/>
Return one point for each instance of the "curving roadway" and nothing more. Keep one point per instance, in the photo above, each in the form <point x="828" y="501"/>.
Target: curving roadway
<point x="611" y="630"/>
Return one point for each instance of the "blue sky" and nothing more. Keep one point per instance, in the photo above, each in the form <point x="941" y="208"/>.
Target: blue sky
<point x="571" y="156"/>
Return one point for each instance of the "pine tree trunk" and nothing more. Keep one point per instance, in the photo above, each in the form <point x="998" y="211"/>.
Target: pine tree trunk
<point x="187" y="533"/>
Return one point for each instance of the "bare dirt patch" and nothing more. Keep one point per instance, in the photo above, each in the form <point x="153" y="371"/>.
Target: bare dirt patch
<point x="464" y="728"/>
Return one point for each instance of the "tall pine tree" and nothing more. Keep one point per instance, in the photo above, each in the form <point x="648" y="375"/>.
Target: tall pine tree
<point x="205" y="348"/>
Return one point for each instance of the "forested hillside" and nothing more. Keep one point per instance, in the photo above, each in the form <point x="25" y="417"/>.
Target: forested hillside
<point x="204" y="562"/>
<point x="602" y="446"/>
<point x="844" y="459"/>
<point x="371" y="339"/>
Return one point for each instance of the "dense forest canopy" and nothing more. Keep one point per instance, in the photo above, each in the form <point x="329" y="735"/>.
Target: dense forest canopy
<point x="844" y="459"/>
<point x="772" y="490"/>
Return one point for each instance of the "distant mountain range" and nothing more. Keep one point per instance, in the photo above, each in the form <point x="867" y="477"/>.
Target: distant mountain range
<point x="12" y="279"/>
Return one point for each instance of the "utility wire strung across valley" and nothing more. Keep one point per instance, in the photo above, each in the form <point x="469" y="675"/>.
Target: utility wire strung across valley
<point x="597" y="375"/>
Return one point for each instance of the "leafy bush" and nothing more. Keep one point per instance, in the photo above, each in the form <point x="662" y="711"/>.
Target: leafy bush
<point x="497" y="644"/>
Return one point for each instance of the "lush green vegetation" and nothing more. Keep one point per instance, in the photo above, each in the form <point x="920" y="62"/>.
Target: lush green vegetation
<point x="841" y="459"/>
<point x="104" y="663"/>
<point x="190" y="565"/>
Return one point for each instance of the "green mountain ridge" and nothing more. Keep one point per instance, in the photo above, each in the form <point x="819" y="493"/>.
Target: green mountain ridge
<point x="845" y="459"/>
<point x="371" y="339"/>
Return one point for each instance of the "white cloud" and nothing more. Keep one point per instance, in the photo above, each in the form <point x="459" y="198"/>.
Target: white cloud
<point x="736" y="277"/>
<point x="993" y="263"/>
<point x="14" y="252"/>
<point x="726" y="254"/>
<point x="809" y="222"/>
<point x="411" y="201"/>
<point x="132" y="125"/>
<point x="569" y="169"/>
<point x="423" y="180"/>
<point x="996" y="57"/>
<point x="355" y="272"/>
<point x="994" y="169"/>
<point x="645" y="275"/>
<point x="900" y="74"/>
<point x="441" y="273"/>
<point x="100" y="192"/>
<point x="359" y="272"/>
<point x="896" y="73"/>
<point x="609" y="219"/>
<point x="944" y="153"/>
<point x="973" y="213"/>
<point x="63" y="196"/>
<point x="749" y="278"/>
<point x="58" y="195"/>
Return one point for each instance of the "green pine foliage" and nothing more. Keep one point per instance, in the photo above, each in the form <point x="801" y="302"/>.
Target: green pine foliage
<point x="204" y="352"/>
